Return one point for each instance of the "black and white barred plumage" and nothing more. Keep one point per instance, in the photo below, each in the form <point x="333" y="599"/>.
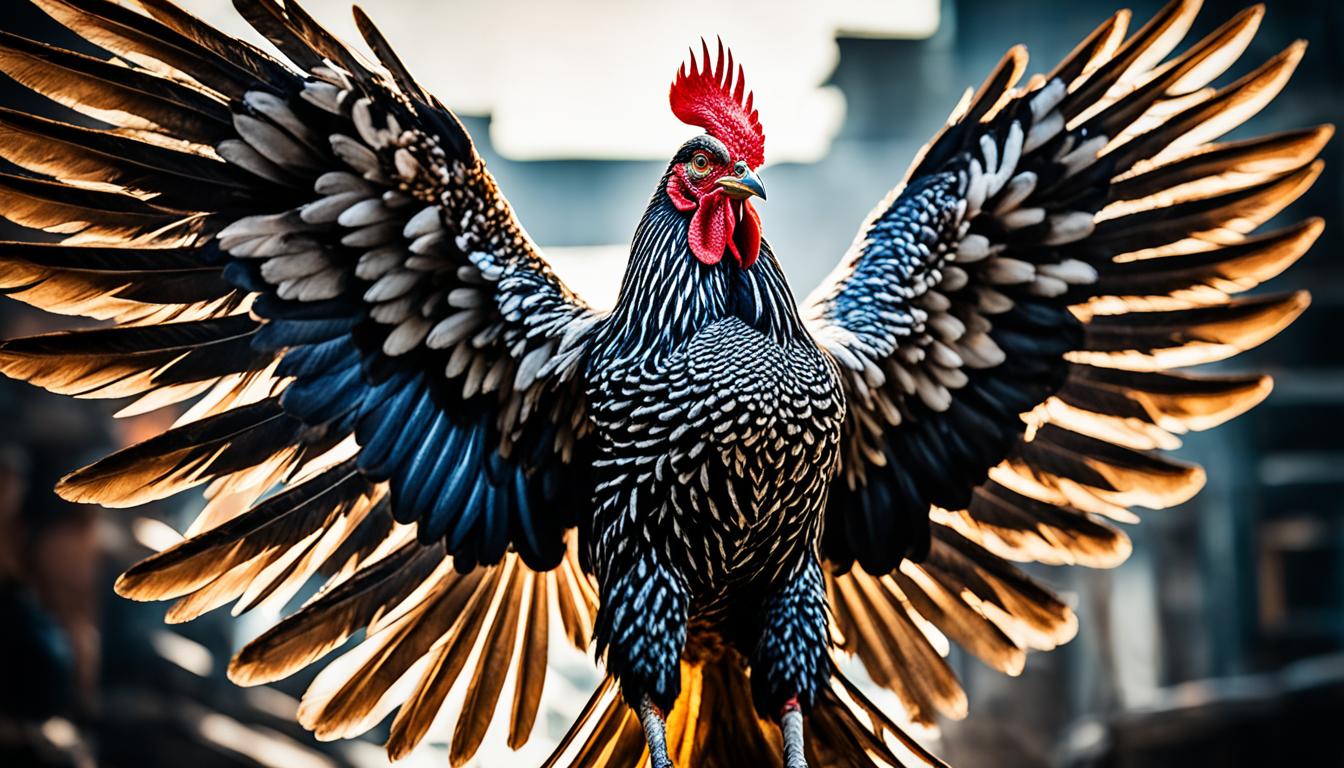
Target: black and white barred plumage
<point x="717" y="423"/>
<point x="720" y="488"/>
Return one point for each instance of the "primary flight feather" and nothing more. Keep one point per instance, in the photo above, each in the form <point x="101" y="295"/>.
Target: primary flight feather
<point x="385" y="387"/>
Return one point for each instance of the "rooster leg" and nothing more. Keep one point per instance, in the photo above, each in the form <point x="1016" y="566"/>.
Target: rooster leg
<point x="790" y="664"/>
<point x="791" y="725"/>
<point x="655" y="733"/>
<point x="641" y="628"/>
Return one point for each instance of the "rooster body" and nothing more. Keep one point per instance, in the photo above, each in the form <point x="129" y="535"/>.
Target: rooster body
<point x="386" y="389"/>
<point x="718" y="423"/>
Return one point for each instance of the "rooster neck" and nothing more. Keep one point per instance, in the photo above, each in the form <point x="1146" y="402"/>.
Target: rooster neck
<point x="667" y="294"/>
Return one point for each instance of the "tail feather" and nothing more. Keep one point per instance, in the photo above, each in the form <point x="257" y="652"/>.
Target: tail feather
<point x="714" y="725"/>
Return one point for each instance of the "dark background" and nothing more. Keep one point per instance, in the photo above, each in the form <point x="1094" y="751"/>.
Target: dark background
<point x="1214" y="645"/>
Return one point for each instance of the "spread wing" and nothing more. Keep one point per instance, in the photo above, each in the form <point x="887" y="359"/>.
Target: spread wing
<point x="1008" y="323"/>
<point x="380" y="365"/>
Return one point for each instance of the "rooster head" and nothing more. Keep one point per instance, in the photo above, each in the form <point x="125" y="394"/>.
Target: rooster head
<point x="714" y="175"/>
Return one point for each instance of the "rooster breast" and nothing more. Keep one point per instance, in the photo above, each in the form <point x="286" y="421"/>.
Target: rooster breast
<point x="719" y="453"/>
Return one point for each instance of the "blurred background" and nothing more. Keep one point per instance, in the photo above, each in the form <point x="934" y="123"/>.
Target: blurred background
<point x="1221" y="640"/>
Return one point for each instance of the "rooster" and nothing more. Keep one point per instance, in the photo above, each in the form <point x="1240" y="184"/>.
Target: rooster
<point x="386" y="390"/>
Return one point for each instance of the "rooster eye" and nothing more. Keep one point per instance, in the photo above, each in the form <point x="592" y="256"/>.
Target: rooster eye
<point x="699" y="165"/>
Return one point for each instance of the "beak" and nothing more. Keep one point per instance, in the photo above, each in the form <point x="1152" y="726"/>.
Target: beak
<point x="741" y="188"/>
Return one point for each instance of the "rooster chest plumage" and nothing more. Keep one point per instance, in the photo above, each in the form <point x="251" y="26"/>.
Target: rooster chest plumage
<point x="719" y="452"/>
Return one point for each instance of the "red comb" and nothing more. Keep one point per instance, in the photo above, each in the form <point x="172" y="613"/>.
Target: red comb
<point x="707" y="98"/>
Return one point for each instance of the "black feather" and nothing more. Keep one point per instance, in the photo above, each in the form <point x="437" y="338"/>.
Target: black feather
<point x="185" y="456"/>
<point x="129" y="360"/>
<point x="272" y="526"/>
<point x="79" y="81"/>
<point x="334" y="616"/>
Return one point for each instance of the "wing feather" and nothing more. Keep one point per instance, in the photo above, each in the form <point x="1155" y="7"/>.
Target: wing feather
<point x="383" y="364"/>
<point x="1008" y="322"/>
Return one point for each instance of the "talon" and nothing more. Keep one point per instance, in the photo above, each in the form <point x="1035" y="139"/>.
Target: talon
<point x="791" y="725"/>
<point x="655" y="733"/>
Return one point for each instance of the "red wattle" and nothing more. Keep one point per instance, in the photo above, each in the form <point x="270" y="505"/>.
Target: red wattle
<point x="716" y="226"/>
<point x="711" y="228"/>
<point x="746" y="240"/>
